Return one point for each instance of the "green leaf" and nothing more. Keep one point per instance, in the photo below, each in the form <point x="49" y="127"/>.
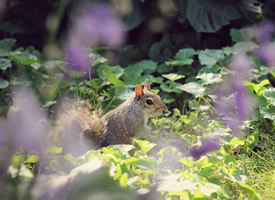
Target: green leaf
<point x="268" y="113"/>
<point x="136" y="16"/>
<point x="144" y="66"/>
<point x="210" y="56"/>
<point x="210" y="78"/>
<point x="3" y="83"/>
<point x="27" y="58"/>
<point x="269" y="94"/>
<point x="6" y="46"/>
<point x="53" y="150"/>
<point x="113" y="80"/>
<point x="185" y="53"/>
<point x="250" y="190"/>
<point x="49" y="104"/>
<point x="5" y="63"/>
<point x="32" y="159"/>
<point x="145" y="145"/>
<point x="52" y="64"/>
<point x="172" y="88"/>
<point x="17" y="160"/>
<point x="11" y="28"/>
<point x="243" y="47"/>
<point x="210" y="16"/>
<point x="187" y="61"/>
<point x="193" y="88"/>
<point x="253" y="139"/>
<point x="173" y="77"/>
<point x="239" y="35"/>
<point x="36" y="66"/>
<point x="236" y="141"/>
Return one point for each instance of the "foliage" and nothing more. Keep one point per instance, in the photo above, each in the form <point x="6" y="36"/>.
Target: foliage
<point x="194" y="152"/>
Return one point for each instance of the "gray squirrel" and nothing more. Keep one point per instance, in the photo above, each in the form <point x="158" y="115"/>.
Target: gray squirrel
<point x="79" y="129"/>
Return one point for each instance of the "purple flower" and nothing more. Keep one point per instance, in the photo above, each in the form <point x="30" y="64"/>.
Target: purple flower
<point x="264" y="31"/>
<point x="2" y="7"/>
<point x="5" y="150"/>
<point x="97" y="24"/>
<point x="207" y="145"/>
<point x="233" y="103"/>
<point x="266" y="53"/>
<point x="78" y="60"/>
<point x="241" y="67"/>
<point x="26" y="123"/>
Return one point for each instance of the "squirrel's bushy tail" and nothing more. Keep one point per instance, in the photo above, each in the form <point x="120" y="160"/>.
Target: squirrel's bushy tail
<point x="77" y="128"/>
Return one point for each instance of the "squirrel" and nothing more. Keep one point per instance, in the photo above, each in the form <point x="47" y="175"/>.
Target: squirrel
<point x="79" y="129"/>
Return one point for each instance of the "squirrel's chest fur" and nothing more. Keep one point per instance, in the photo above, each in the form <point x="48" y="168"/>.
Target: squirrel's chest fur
<point x="122" y="123"/>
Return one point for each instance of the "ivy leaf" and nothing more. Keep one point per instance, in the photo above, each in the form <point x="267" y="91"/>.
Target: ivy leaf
<point x="187" y="61"/>
<point x="268" y="113"/>
<point x="269" y="94"/>
<point x="183" y="57"/>
<point x="27" y="58"/>
<point x="51" y="64"/>
<point x="193" y="88"/>
<point x="144" y="66"/>
<point x="210" y="78"/>
<point x="210" y="56"/>
<point x="243" y="47"/>
<point x="11" y="28"/>
<point x="238" y="35"/>
<point x="113" y="80"/>
<point x="6" y="46"/>
<point x="5" y="63"/>
<point x="53" y="150"/>
<point x="145" y="145"/>
<point x="250" y="190"/>
<point x="36" y="66"/>
<point x="173" y="77"/>
<point x="3" y="83"/>
<point x="32" y="159"/>
<point x="185" y="53"/>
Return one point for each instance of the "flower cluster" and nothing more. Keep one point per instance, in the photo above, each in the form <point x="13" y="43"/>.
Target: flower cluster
<point x="234" y="104"/>
<point x="97" y="24"/>
<point x="266" y="51"/>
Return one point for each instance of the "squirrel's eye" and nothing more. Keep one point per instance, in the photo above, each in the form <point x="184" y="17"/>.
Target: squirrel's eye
<point x="149" y="102"/>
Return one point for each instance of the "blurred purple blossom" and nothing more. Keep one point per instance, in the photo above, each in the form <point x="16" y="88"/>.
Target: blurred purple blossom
<point x="207" y="145"/>
<point x="78" y="59"/>
<point x="266" y="53"/>
<point x="2" y="7"/>
<point x="263" y="32"/>
<point x="233" y="102"/>
<point x="26" y="123"/>
<point x="97" y="24"/>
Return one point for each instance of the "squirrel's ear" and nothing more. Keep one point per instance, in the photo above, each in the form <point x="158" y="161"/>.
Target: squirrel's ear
<point x="147" y="86"/>
<point x="139" y="91"/>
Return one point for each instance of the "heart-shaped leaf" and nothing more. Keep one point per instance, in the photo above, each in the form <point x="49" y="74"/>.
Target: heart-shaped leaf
<point x="193" y="88"/>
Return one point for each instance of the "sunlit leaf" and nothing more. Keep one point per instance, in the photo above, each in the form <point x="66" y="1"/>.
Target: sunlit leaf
<point x="5" y="63"/>
<point x="193" y="88"/>
<point x="250" y="190"/>
<point x="210" y="78"/>
<point x="6" y="46"/>
<point x="142" y="67"/>
<point x="210" y="56"/>
<point x="145" y="145"/>
<point x="173" y="77"/>
<point x="3" y="83"/>
<point x="268" y="113"/>
<point x="269" y="94"/>
<point x="32" y="159"/>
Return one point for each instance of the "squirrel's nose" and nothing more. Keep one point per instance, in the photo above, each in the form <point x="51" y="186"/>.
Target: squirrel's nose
<point x="165" y="110"/>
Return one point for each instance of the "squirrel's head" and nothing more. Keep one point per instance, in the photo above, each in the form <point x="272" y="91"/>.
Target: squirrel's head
<point x="149" y="101"/>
